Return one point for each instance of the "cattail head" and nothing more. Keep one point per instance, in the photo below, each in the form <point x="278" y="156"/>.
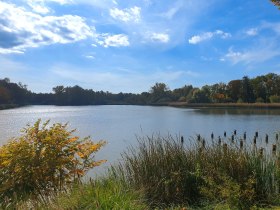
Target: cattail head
<point x="277" y="136"/>
<point x="219" y="140"/>
<point x="198" y="137"/>
<point x="234" y="132"/>
<point x="244" y="136"/>
<point x="203" y="143"/>
<point x="212" y="136"/>
<point x="182" y="139"/>
<point x="266" y="139"/>
<point x="257" y="134"/>
<point x="255" y="140"/>
<point x="225" y="134"/>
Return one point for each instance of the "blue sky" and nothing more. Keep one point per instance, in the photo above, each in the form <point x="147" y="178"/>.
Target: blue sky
<point x="129" y="45"/>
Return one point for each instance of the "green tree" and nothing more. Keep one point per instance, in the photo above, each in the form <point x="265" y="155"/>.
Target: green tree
<point x="247" y="94"/>
<point x="233" y="89"/>
<point x="200" y="96"/>
<point x="159" y="92"/>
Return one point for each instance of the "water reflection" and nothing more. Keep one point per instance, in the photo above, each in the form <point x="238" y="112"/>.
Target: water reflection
<point x="234" y="111"/>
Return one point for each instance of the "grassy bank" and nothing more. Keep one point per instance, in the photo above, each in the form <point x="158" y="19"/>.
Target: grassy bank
<point x="234" y="172"/>
<point x="175" y="173"/>
<point x="104" y="193"/>
<point x="227" y="105"/>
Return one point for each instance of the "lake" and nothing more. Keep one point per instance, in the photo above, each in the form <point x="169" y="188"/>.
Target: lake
<point x="120" y="125"/>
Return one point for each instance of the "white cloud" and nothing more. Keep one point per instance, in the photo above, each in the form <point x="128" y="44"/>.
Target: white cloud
<point x="257" y="55"/>
<point x="117" y="40"/>
<point x="173" y="10"/>
<point x="207" y="36"/>
<point x="21" y="29"/>
<point x="158" y="37"/>
<point x="89" y="57"/>
<point x="252" y="32"/>
<point x="40" y="6"/>
<point x="127" y="15"/>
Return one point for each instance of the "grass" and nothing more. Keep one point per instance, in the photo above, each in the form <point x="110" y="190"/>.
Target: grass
<point x="170" y="173"/>
<point x="104" y="193"/>
<point x="194" y="173"/>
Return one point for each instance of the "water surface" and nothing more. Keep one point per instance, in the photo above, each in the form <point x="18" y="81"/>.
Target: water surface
<point x="119" y="125"/>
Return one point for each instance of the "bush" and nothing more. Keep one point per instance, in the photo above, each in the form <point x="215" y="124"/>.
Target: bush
<point x="44" y="159"/>
<point x="259" y="100"/>
<point x="274" y="99"/>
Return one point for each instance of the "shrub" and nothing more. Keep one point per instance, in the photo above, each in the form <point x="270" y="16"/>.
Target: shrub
<point x="44" y="159"/>
<point x="260" y="100"/>
<point x="274" y="99"/>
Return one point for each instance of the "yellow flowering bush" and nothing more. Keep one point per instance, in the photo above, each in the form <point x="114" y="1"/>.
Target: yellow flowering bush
<point x="44" y="159"/>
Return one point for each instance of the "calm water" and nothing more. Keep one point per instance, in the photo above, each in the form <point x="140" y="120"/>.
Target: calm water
<point x="119" y="125"/>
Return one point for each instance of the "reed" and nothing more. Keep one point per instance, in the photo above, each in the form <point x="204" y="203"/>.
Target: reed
<point x="169" y="173"/>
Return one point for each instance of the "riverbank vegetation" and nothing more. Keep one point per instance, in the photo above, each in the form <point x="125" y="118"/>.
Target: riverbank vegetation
<point x="43" y="160"/>
<point x="43" y="168"/>
<point x="261" y="89"/>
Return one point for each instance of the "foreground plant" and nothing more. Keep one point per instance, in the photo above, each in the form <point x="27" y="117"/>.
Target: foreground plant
<point x="44" y="159"/>
<point x="171" y="173"/>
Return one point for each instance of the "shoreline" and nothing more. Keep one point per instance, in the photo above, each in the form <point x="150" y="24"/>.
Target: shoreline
<point x="8" y="106"/>
<point x="265" y="106"/>
<point x="226" y="105"/>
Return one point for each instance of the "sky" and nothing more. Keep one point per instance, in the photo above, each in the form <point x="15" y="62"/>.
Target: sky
<point x="129" y="45"/>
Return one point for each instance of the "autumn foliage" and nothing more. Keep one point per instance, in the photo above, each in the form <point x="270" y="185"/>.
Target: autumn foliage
<point x="45" y="158"/>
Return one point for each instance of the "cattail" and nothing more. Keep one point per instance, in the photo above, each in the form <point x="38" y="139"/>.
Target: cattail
<point x="212" y="136"/>
<point x="203" y="143"/>
<point x="219" y="140"/>
<point x="244" y="136"/>
<point x="255" y="140"/>
<point x="232" y="138"/>
<point x="241" y="144"/>
<point x="257" y="134"/>
<point x="182" y="140"/>
<point x="274" y="148"/>
<point x="276" y="136"/>
<point x="198" y="137"/>
<point x="266" y="139"/>
<point x="234" y="132"/>
<point x="225" y="134"/>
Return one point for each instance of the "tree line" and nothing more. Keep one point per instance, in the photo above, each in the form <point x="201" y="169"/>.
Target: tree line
<point x="261" y="89"/>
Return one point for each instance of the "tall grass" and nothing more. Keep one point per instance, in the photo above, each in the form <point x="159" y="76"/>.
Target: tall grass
<point x="172" y="172"/>
<point x="105" y="193"/>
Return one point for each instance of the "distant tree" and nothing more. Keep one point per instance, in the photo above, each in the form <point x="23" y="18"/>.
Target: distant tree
<point x="247" y="94"/>
<point x="184" y="93"/>
<point x="159" y="91"/>
<point x="259" y="86"/>
<point x="200" y="96"/>
<point x="233" y="89"/>
<point x="218" y="92"/>
<point x="5" y="96"/>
